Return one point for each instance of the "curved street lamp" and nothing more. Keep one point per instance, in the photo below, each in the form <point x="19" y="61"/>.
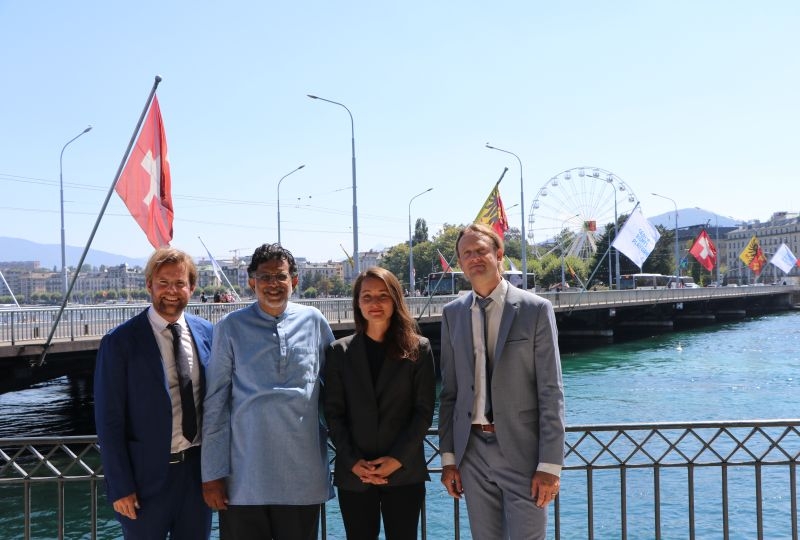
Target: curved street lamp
<point x="411" y="280"/>
<point x="356" y="264"/>
<point x="63" y="236"/>
<point x="279" y="199"/>
<point x="677" y="251"/>
<point x="524" y="243"/>
<point x="563" y="279"/>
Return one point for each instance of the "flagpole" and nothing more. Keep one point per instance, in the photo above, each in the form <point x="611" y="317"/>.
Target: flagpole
<point x="216" y="265"/>
<point x="46" y="345"/>
<point x="524" y="243"/>
<point x="9" y="289"/>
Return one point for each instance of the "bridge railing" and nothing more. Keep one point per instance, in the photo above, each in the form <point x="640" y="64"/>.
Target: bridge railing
<point x="663" y="480"/>
<point x="79" y="322"/>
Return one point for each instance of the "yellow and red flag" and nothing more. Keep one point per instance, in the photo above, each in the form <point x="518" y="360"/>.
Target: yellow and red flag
<point x="704" y="251"/>
<point x="493" y="213"/>
<point x="753" y="256"/>
<point x="145" y="184"/>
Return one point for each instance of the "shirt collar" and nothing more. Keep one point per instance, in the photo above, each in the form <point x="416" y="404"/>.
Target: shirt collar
<point x="160" y="322"/>
<point x="498" y="294"/>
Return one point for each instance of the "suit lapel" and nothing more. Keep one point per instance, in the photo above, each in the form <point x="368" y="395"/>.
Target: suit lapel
<point x="464" y="328"/>
<point x="151" y="354"/>
<point x="510" y="311"/>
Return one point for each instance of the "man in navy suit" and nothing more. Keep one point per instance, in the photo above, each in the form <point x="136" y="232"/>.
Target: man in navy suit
<point x="149" y="380"/>
<point x="501" y="408"/>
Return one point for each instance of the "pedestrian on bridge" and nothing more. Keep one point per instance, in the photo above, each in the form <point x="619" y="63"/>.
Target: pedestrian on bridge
<point x="148" y="397"/>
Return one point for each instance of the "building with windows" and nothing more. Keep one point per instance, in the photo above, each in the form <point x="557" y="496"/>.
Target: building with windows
<point x="782" y="228"/>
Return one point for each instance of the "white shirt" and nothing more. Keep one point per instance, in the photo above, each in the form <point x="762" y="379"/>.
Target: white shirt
<point x="494" y="311"/>
<point x="164" y="340"/>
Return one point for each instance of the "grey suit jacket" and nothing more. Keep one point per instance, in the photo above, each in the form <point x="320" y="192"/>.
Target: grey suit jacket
<point x="527" y="391"/>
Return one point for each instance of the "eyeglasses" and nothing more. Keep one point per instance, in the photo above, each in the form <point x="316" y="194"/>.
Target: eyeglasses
<point x="265" y="277"/>
<point x="164" y="284"/>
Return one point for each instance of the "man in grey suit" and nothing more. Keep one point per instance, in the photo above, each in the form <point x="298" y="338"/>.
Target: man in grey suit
<point x="501" y="412"/>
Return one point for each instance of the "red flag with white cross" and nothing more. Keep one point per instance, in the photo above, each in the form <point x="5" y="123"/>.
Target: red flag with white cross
<point x="145" y="184"/>
<point x="704" y="251"/>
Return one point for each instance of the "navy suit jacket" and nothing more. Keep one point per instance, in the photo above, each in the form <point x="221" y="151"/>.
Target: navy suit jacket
<point x="527" y="390"/>
<point x="133" y="409"/>
<point x="389" y="418"/>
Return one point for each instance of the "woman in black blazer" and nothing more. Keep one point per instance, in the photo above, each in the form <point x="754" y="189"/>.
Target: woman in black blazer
<point x="379" y="388"/>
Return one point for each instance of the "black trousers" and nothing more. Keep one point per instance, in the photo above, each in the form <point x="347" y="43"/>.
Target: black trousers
<point x="398" y="505"/>
<point x="269" y="522"/>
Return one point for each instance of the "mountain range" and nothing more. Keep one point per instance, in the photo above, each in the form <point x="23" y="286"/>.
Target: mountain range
<point x="49" y="255"/>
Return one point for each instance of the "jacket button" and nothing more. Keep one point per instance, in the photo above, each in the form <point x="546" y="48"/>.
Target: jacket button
<point x="469" y="415"/>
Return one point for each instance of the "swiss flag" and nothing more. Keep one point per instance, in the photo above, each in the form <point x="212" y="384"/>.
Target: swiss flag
<point x="145" y="184"/>
<point x="704" y="251"/>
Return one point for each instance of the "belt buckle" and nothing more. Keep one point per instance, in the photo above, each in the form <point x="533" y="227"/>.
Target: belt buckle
<point x="177" y="457"/>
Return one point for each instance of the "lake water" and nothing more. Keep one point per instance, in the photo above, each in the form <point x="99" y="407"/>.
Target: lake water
<point x="737" y="371"/>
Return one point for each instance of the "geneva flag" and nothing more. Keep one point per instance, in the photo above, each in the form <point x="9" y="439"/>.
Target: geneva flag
<point x="704" y="251"/>
<point x="753" y="256"/>
<point x="493" y="213"/>
<point x="145" y="184"/>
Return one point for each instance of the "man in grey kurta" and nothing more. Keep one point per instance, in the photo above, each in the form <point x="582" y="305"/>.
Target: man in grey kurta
<point x="265" y="462"/>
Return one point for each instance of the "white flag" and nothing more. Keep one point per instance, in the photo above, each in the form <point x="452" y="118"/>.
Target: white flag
<point x="637" y="238"/>
<point x="511" y="265"/>
<point x="784" y="259"/>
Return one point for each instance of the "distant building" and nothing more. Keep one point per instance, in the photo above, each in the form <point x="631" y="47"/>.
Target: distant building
<point x="782" y="228"/>
<point x="366" y="259"/>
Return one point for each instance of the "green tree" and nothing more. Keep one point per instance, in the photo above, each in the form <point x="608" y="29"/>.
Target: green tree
<point x="420" y="231"/>
<point x="339" y="287"/>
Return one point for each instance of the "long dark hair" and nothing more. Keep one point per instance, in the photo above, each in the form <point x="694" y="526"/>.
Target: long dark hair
<point x="402" y="338"/>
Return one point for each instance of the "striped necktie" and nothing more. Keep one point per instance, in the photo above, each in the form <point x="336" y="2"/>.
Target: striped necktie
<point x="189" y="422"/>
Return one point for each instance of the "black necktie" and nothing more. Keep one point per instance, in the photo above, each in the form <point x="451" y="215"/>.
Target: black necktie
<point x="189" y="423"/>
<point x="482" y="304"/>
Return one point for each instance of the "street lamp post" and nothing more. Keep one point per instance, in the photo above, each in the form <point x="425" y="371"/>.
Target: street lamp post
<point x="610" y="180"/>
<point x="524" y="243"/>
<point x="563" y="277"/>
<point x="411" y="280"/>
<point x="279" y="199"/>
<point x="63" y="236"/>
<point x="677" y="253"/>
<point x="356" y="263"/>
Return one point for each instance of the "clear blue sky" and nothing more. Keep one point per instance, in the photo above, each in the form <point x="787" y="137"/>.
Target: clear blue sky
<point x="693" y="100"/>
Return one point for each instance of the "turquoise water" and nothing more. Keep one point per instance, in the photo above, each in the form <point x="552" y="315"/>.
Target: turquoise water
<point x="737" y="371"/>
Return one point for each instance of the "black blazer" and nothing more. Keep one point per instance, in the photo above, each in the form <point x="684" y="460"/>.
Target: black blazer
<point x="389" y="418"/>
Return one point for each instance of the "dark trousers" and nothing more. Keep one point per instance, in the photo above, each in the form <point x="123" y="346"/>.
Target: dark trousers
<point x="269" y="522"/>
<point x="177" y="510"/>
<point x="399" y="505"/>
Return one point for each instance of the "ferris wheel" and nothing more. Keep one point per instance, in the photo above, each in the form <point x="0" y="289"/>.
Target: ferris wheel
<point x="575" y="206"/>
